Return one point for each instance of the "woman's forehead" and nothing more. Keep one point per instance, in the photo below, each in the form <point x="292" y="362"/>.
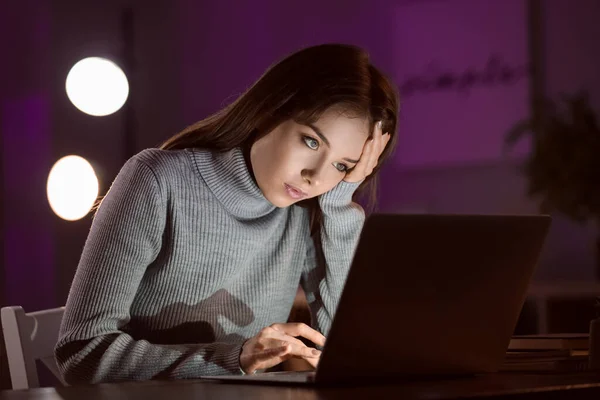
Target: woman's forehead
<point x="338" y="122"/>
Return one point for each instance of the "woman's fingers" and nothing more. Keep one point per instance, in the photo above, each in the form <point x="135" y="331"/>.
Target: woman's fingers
<point x="369" y="158"/>
<point x="298" y="329"/>
<point x="261" y="357"/>
<point x="359" y="171"/>
<point x="270" y="357"/>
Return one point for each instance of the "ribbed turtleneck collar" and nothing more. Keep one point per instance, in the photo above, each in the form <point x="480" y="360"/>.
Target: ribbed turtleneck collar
<point x="227" y="176"/>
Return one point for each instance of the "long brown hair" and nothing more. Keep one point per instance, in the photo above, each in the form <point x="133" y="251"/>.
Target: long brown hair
<point x="302" y="87"/>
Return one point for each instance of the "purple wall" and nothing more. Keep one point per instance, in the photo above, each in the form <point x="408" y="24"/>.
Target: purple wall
<point x="226" y="45"/>
<point x="26" y="141"/>
<point x="572" y="56"/>
<point x="28" y="238"/>
<point x="462" y="67"/>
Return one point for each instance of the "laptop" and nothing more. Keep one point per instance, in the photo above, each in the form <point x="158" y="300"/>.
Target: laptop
<point x="427" y="296"/>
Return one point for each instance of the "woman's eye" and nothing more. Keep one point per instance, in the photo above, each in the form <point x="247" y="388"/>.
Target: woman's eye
<point x="341" y="167"/>
<point x="311" y="143"/>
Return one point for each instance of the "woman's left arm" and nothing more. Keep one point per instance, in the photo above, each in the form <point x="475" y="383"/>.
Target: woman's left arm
<point x="323" y="280"/>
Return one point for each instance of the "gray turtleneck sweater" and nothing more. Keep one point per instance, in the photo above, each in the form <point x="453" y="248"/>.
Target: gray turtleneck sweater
<point x="186" y="259"/>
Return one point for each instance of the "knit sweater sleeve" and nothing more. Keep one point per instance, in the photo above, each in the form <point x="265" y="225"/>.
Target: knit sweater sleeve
<point x="124" y="240"/>
<point x="323" y="280"/>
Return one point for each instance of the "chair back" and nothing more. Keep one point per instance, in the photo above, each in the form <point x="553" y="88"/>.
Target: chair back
<point x="30" y="337"/>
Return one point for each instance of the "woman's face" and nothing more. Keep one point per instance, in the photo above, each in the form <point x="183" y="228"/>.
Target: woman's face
<point x="294" y="162"/>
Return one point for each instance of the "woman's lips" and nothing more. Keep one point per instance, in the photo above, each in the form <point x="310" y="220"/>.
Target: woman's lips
<point x="294" y="192"/>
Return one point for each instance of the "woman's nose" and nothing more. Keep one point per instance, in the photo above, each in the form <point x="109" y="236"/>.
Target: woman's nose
<point x="313" y="176"/>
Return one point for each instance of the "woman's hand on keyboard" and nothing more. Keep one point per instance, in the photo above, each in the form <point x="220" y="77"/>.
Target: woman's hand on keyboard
<point x="277" y="343"/>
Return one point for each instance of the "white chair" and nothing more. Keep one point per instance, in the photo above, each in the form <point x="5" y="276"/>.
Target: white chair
<point x="30" y="337"/>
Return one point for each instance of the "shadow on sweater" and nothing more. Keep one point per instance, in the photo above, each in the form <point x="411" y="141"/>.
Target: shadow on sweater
<point x="201" y="321"/>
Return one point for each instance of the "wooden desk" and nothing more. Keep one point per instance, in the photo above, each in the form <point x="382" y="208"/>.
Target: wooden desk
<point x="494" y="386"/>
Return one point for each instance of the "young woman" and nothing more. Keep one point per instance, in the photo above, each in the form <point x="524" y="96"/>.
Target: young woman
<point x="195" y="253"/>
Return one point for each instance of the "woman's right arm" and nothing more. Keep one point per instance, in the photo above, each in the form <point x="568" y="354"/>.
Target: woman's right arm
<point x="125" y="238"/>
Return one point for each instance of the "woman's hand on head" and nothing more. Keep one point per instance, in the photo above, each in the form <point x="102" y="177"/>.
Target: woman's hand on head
<point x="277" y="343"/>
<point x="369" y="158"/>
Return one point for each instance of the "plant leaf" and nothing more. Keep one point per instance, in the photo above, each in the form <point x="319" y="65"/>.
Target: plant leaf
<point x="520" y="129"/>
